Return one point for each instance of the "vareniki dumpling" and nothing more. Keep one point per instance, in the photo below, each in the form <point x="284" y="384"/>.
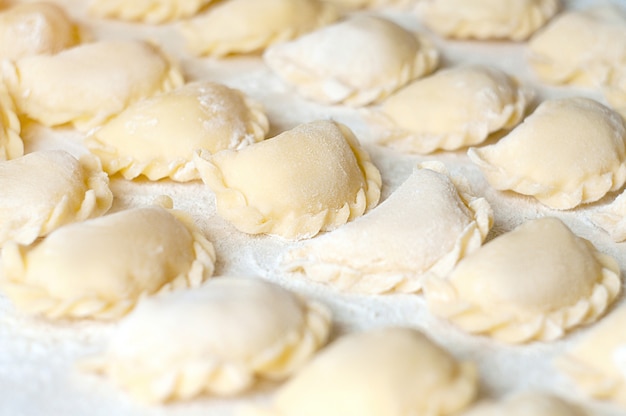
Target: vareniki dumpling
<point x="148" y="11"/>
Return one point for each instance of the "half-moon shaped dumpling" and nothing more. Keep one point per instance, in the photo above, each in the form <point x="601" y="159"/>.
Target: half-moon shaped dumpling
<point x="245" y="26"/>
<point x="99" y="268"/>
<point x="425" y="226"/>
<point x="312" y="178"/>
<point x="156" y="137"/>
<point x="597" y="362"/>
<point x="44" y="190"/>
<point x="390" y="371"/>
<point x="218" y="338"/>
<point x="486" y="19"/>
<point x="533" y="283"/>
<point x="87" y="84"/>
<point x="36" y="28"/>
<point x="569" y="152"/>
<point x="356" y="61"/>
<point x="529" y="403"/>
<point x="580" y="46"/>
<point x="11" y="143"/>
<point x="147" y="11"/>
<point x="451" y="109"/>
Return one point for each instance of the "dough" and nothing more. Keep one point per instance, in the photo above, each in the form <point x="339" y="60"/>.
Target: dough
<point x="244" y="26"/>
<point x="36" y="28"/>
<point x="99" y="268"/>
<point x="580" y="47"/>
<point x="389" y="371"/>
<point x="156" y="137"/>
<point x="486" y="19"/>
<point x="147" y="11"/>
<point x="357" y="61"/>
<point x="569" y="152"/>
<point x="533" y="283"/>
<point x="428" y="224"/>
<point x="453" y="108"/>
<point x="11" y="144"/>
<point x="217" y="338"/>
<point x="44" y="190"/>
<point x="87" y="84"/>
<point x="528" y="404"/>
<point x="312" y="178"/>
<point x="597" y="361"/>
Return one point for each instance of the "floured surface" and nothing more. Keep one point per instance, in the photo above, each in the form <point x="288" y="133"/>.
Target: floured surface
<point x="37" y="358"/>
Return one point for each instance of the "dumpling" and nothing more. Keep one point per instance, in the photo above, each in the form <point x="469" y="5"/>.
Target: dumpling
<point x="425" y="226"/>
<point x="87" y="84"/>
<point x="218" y="338"/>
<point x="157" y="136"/>
<point x="44" y="190"/>
<point x="597" y="361"/>
<point x="147" y="11"/>
<point x="11" y="143"/>
<point x="245" y="26"/>
<point x="580" y="46"/>
<point x="569" y="152"/>
<point x="486" y="19"/>
<point x="533" y="283"/>
<point x="36" y="28"/>
<point x="356" y="62"/>
<point x="391" y="371"/>
<point x="528" y="404"/>
<point x="312" y="178"/>
<point x="99" y="268"/>
<point x="451" y="109"/>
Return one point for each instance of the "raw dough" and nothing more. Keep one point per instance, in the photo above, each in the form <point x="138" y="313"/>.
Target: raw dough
<point x="527" y="404"/>
<point x="147" y="11"/>
<point x="453" y="108"/>
<point x="244" y="26"/>
<point x="44" y="190"/>
<point x="99" y="268"/>
<point x="87" y="84"/>
<point x="156" y="137"/>
<point x="11" y="144"/>
<point x="569" y="152"/>
<point x="389" y="371"/>
<point x="217" y="338"/>
<point x="324" y="179"/>
<point x="356" y="61"/>
<point x="486" y="19"/>
<point x="533" y="283"/>
<point x="428" y="224"/>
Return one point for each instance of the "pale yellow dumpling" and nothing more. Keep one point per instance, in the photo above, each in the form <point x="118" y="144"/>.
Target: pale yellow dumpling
<point x="453" y="108"/>
<point x="99" y="268"/>
<point x="486" y="19"/>
<point x="245" y="26"/>
<point x="42" y="191"/>
<point x="430" y="222"/>
<point x="356" y="62"/>
<point x="533" y="283"/>
<point x="532" y="403"/>
<point x="312" y="178"/>
<point x="87" y="84"/>
<point x="11" y="143"/>
<point x="218" y="339"/>
<point x="148" y="11"/>
<point x="156" y="137"/>
<point x="570" y="151"/>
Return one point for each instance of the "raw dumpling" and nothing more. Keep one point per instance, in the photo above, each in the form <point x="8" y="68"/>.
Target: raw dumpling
<point x="527" y="404"/>
<point x="99" y="268"/>
<point x="44" y="190"/>
<point x="580" y="47"/>
<point x="356" y="62"/>
<point x="451" y="109"/>
<point x="597" y="361"/>
<point x="425" y="226"/>
<point x="312" y="178"/>
<point x="36" y="28"/>
<point x="148" y="11"/>
<point x="569" y="152"/>
<point x="390" y="371"/>
<point x="486" y="19"/>
<point x="11" y="144"/>
<point x="156" y="137"/>
<point x="533" y="283"/>
<point x="217" y="339"/>
<point x="89" y="83"/>
<point x="244" y="26"/>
